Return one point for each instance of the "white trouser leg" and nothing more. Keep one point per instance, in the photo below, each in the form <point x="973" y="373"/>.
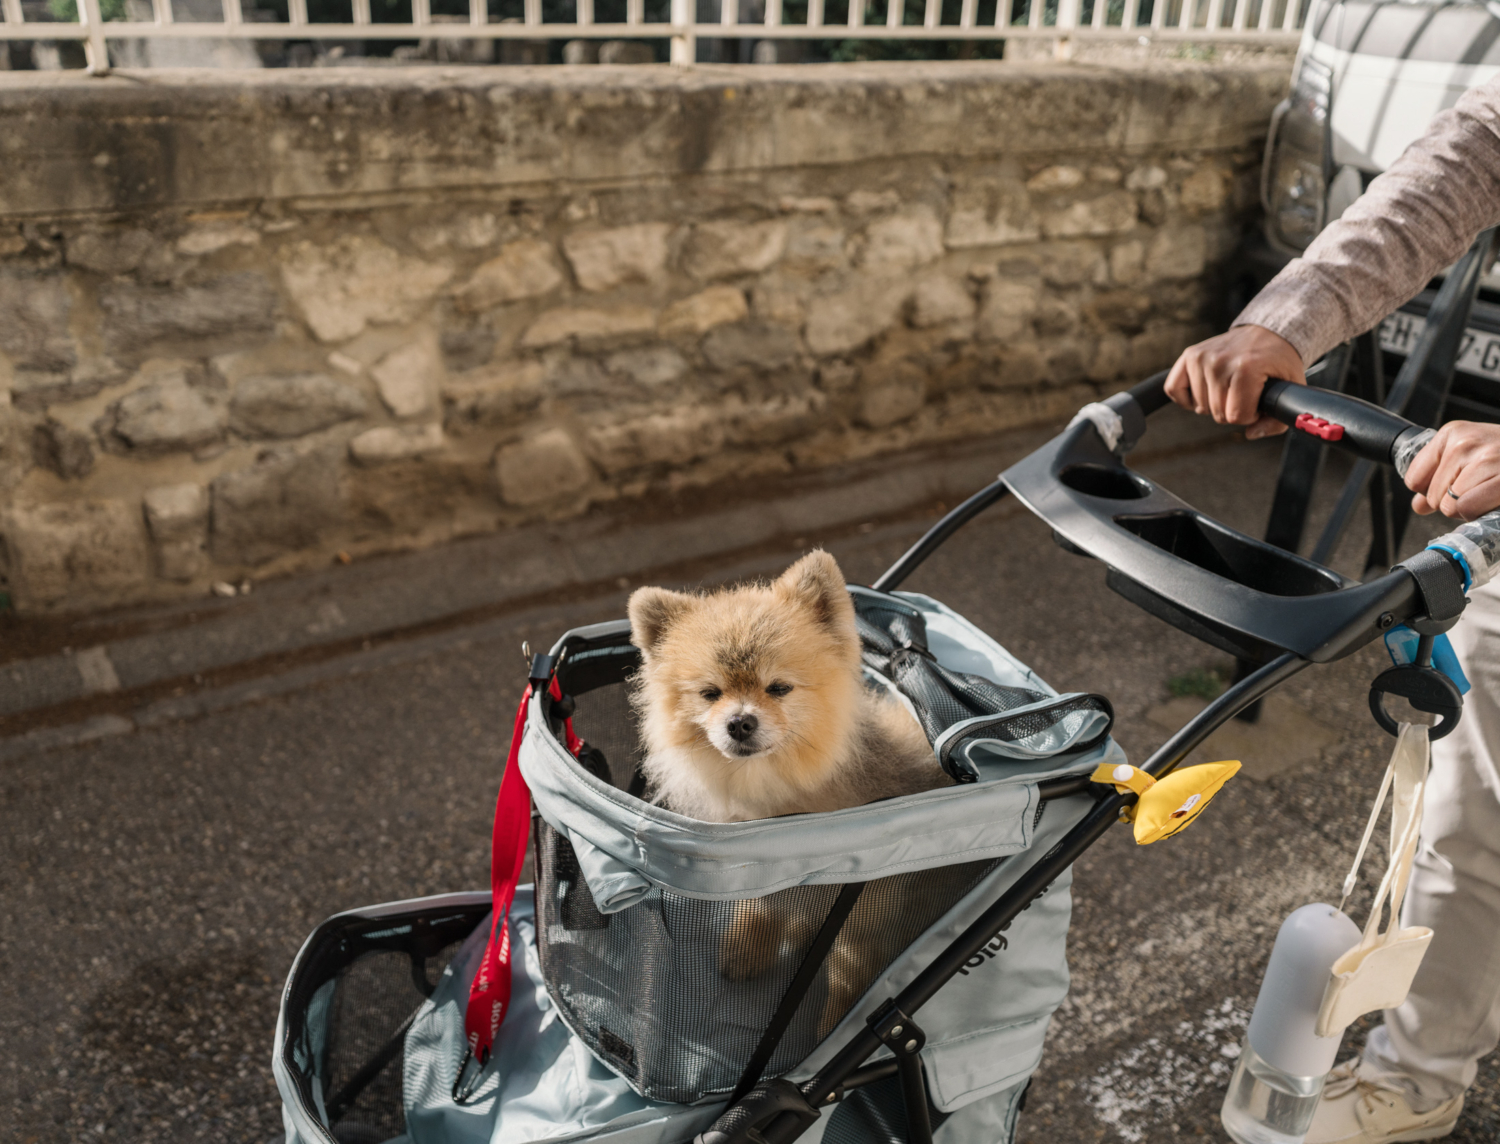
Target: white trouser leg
<point x="1452" y="1017"/>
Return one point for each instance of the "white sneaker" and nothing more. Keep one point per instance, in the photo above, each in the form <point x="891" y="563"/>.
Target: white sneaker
<point x="1360" y="1107"/>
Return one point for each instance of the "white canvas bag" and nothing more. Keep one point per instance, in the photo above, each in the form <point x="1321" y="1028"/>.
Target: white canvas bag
<point x="1377" y="972"/>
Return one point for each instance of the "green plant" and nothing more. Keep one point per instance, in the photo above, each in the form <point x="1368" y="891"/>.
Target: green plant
<point x="1198" y="683"/>
<point x="67" y="10"/>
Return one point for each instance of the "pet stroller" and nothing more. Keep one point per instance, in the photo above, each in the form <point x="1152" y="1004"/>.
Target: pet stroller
<point x="875" y="975"/>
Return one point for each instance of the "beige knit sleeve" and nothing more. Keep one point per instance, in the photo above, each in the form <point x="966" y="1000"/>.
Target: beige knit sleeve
<point x="1416" y="218"/>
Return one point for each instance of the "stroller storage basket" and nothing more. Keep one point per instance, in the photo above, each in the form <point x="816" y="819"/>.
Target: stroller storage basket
<point x="669" y="945"/>
<point x="353" y="991"/>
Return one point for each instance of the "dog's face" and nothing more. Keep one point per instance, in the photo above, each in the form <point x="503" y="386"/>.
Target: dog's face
<point x="754" y="671"/>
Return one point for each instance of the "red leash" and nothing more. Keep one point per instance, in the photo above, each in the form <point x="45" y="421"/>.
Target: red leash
<point x="489" y="993"/>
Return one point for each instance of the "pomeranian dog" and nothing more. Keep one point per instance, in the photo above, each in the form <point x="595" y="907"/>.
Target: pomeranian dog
<point x="752" y="705"/>
<point x="752" y="702"/>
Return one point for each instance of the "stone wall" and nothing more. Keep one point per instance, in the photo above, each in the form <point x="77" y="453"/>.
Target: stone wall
<point x="251" y="323"/>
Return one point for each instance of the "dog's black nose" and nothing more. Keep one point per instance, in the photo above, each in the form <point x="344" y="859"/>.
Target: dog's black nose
<point x="741" y="727"/>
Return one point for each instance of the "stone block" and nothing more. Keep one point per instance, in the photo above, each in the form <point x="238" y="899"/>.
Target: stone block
<point x="387" y="443"/>
<point x="773" y="304"/>
<point x="1054" y="318"/>
<point x="891" y="403"/>
<point x="524" y="269"/>
<point x="1206" y="189"/>
<point x="724" y="249"/>
<point x="285" y="501"/>
<point x="650" y="365"/>
<point x="1110" y="358"/>
<point x="581" y="52"/>
<point x="115" y="251"/>
<point x="292" y="405"/>
<point x="466" y="349"/>
<point x="1069" y="264"/>
<point x="541" y="468"/>
<point x="604" y="259"/>
<point x="1006" y="311"/>
<point x="1125" y="310"/>
<point x="215" y="237"/>
<point x="863" y="202"/>
<point x="496" y="394"/>
<point x="778" y="419"/>
<point x="576" y="377"/>
<point x="754" y="345"/>
<point x="991" y="213"/>
<point x="61" y="450"/>
<point x="671" y="437"/>
<point x="358" y="281"/>
<point x="939" y="300"/>
<point x="407" y="378"/>
<point x="588" y="326"/>
<point x="1055" y="179"/>
<point x="74" y="554"/>
<point x="902" y="241"/>
<point x="1111" y="213"/>
<point x="34" y="390"/>
<point x="1019" y="365"/>
<point x="166" y="415"/>
<point x="1127" y="261"/>
<point x="230" y="308"/>
<point x="813" y="248"/>
<point x="1180" y="252"/>
<point x="838" y="323"/>
<point x="1147" y="178"/>
<point x="177" y="519"/>
<point x="701" y="312"/>
<point x="34" y="314"/>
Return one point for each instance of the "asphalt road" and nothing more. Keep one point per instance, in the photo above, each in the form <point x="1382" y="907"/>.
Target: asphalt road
<point x="155" y="885"/>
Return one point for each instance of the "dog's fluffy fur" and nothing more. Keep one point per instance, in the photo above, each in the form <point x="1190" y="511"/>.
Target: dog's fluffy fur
<point x="785" y="658"/>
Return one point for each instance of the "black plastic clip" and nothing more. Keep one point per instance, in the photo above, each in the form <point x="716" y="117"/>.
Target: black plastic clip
<point x="462" y="1090"/>
<point x="1425" y="688"/>
<point x="742" y="1121"/>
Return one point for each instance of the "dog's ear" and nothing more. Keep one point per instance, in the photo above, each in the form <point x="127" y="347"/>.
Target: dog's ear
<point x="816" y="583"/>
<point x="652" y="611"/>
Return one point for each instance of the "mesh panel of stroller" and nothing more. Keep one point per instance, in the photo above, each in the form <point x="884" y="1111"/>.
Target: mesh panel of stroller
<point x="653" y="990"/>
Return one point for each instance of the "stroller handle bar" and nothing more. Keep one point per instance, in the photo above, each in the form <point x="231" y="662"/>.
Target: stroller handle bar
<point x="1350" y="423"/>
<point x="1240" y="594"/>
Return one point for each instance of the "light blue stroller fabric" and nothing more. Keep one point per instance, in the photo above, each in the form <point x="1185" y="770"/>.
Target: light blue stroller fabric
<point x="985" y="1028"/>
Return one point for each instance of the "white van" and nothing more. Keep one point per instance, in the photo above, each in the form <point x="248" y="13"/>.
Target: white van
<point x="1369" y="76"/>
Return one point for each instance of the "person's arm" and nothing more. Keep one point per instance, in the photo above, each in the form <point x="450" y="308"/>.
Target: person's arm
<point x="1416" y="218"/>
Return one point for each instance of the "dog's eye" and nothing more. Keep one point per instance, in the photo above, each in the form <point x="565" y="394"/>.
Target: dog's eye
<point x="712" y="694"/>
<point x="779" y="689"/>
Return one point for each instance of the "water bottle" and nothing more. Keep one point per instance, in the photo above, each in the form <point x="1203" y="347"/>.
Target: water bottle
<point x="1276" y="1084"/>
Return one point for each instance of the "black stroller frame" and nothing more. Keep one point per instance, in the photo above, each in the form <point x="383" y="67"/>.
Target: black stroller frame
<point x="1275" y="611"/>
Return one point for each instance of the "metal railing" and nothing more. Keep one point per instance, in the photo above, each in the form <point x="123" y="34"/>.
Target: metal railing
<point x="1256" y="21"/>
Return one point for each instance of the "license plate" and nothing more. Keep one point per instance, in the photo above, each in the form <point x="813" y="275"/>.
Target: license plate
<point x="1479" y="354"/>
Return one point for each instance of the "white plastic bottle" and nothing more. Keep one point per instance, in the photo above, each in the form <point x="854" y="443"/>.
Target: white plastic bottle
<point x="1276" y="1084"/>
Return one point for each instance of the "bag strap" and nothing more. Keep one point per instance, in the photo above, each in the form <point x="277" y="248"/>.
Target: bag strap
<point x="1407" y="773"/>
<point x="489" y="992"/>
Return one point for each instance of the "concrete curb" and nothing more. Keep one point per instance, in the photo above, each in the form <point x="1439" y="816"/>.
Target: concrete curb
<point x="470" y="581"/>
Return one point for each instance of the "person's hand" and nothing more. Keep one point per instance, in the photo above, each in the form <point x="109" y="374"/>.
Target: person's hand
<point x="1458" y="472"/>
<point x="1223" y="377"/>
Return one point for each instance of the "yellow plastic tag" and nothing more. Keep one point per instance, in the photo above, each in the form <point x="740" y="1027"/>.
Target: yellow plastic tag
<point x="1163" y="808"/>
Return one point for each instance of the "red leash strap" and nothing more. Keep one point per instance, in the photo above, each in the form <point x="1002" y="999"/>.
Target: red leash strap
<point x="489" y="993"/>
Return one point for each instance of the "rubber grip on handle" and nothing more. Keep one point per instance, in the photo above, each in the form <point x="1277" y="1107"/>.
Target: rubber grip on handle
<point x="1352" y="424"/>
<point x="1151" y="394"/>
